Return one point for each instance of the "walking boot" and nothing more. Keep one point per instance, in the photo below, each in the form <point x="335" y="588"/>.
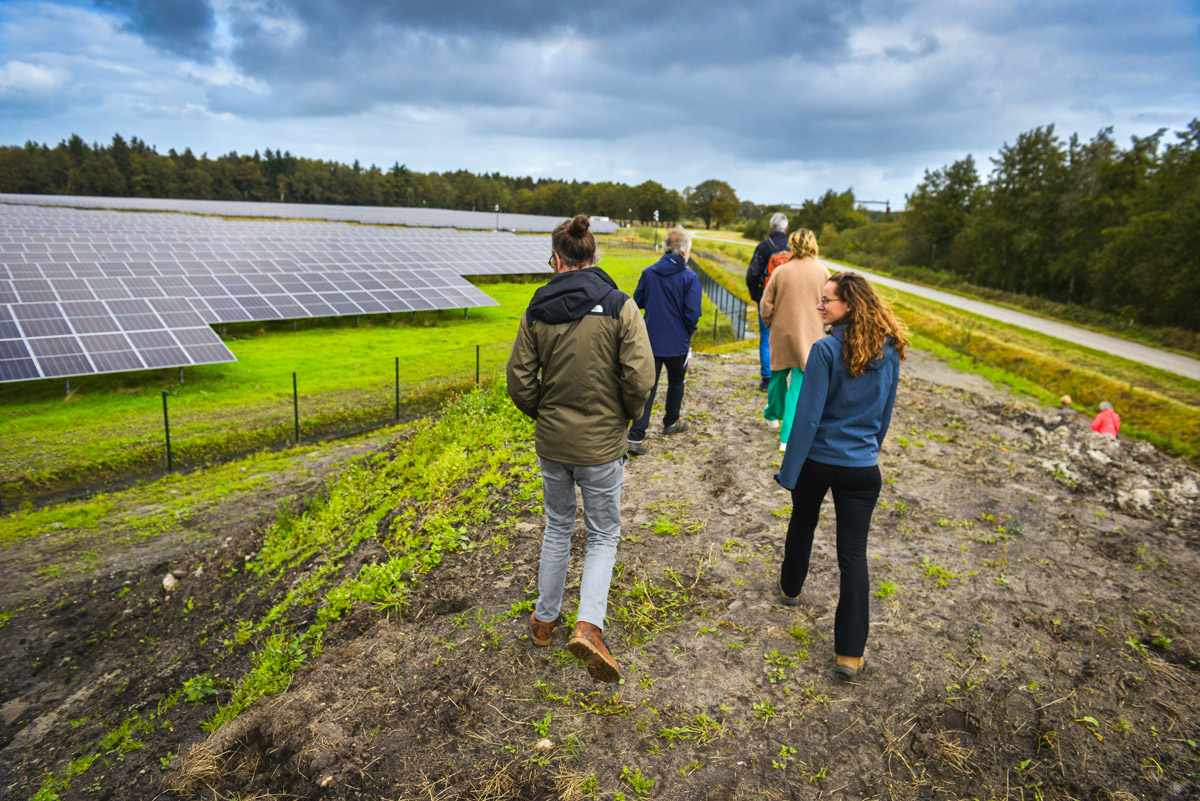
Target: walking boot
<point x="587" y="644"/>
<point x="539" y="631"/>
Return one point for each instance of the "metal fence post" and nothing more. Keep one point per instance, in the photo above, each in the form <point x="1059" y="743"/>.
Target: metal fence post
<point x="715" y="316"/>
<point x="167" y="431"/>
<point x="476" y="365"/>
<point x="295" y="409"/>
<point x="397" y="389"/>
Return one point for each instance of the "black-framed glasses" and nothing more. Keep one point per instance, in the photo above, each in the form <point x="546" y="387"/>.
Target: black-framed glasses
<point x="827" y="301"/>
<point x="551" y="262"/>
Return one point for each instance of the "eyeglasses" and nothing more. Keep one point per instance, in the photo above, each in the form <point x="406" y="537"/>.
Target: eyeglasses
<point x="551" y="262"/>
<point x="827" y="301"/>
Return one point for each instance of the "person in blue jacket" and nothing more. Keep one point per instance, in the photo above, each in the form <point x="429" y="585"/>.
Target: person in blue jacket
<point x="670" y="294"/>
<point x="841" y="419"/>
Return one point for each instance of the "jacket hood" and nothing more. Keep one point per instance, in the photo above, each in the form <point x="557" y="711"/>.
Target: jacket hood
<point x="570" y="295"/>
<point x="669" y="264"/>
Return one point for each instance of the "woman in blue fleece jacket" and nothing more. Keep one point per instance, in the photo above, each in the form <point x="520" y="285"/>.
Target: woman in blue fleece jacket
<point x="841" y="418"/>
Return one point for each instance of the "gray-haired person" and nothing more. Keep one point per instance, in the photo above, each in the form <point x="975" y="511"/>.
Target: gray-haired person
<point x="670" y="294"/>
<point x="757" y="275"/>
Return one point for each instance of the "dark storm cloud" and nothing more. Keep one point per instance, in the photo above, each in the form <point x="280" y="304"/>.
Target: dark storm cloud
<point x="181" y="27"/>
<point x="538" y="59"/>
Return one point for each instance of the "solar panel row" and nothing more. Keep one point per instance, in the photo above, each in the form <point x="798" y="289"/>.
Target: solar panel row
<point x="376" y="215"/>
<point x="102" y="291"/>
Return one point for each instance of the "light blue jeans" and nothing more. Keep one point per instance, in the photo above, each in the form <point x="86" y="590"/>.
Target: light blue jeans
<point x="600" y="486"/>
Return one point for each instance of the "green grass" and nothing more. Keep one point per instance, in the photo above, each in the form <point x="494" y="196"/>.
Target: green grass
<point x="112" y="426"/>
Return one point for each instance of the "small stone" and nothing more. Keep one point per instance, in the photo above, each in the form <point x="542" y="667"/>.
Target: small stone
<point x="544" y="744"/>
<point x="169" y="582"/>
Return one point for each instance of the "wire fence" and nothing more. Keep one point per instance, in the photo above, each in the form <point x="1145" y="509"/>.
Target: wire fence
<point x="90" y="443"/>
<point x="726" y="302"/>
<point x="96" y="440"/>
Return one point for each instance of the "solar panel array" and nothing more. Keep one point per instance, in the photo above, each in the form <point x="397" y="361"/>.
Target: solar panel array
<point x="104" y="291"/>
<point x="373" y="215"/>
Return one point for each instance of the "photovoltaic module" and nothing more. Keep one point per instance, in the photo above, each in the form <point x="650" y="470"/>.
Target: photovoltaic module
<point x="98" y="291"/>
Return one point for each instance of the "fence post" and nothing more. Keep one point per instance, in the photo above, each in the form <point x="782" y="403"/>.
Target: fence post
<point x="397" y="389"/>
<point x="476" y="365"/>
<point x="715" y="316"/>
<point x="167" y="431"/>
<point x="295" y="409"/>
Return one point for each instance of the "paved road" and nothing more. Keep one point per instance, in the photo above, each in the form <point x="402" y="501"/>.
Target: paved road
<point x="1143" y="354"/>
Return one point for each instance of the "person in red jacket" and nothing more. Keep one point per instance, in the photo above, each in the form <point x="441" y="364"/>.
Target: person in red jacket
<point x="1108" y="421"/>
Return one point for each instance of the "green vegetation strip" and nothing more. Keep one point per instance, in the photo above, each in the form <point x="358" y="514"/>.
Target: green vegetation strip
<point x="426" y="495"/>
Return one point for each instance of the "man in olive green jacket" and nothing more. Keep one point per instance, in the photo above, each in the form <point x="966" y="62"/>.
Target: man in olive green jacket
<point x="582" y="368"/>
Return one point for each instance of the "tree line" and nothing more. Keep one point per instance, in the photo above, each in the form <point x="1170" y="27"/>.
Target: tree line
<point x="1090" y="223"/>
<point x="132" y="168"/>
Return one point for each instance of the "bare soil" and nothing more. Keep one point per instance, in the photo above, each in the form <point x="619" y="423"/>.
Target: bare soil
<point x="1034" y="635"/>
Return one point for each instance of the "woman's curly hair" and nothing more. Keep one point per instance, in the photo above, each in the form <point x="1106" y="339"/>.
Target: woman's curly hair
<point x="868" y="324"/>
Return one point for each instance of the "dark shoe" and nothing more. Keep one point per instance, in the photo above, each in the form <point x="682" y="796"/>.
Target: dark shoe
<point x="678" y="427"/>
<point x="539" y="631"/>
<point x="635" y="447"/>
<point x="587" y="644"/>
<point x="785" y="599"/>
<point x="850" y="666"/>
<point x="764" y="385"/>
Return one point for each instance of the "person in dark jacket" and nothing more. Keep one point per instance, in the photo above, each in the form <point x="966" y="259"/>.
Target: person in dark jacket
<point x="582" y="368"/>
<point x="670" y="294"/>
<point x="756" y="280"/>
<point x="841" y="419"/>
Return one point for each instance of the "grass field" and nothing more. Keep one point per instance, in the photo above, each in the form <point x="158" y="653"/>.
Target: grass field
<point x="111" y="427"/>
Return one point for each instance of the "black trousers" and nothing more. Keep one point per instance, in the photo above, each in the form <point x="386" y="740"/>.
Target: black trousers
<point x="676" y="372"/>
<point x="855" y="491"/>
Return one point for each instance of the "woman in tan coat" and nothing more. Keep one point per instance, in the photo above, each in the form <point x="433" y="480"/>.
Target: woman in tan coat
<point x="789" y="309"/>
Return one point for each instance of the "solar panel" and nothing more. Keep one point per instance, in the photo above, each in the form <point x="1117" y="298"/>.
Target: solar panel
<point x="373" y="215"/>
<point x="100" y="291"/>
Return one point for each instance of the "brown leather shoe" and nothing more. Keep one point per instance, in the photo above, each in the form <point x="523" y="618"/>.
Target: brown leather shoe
<point x="850" y="666"/>
<point x="587" y="644"/>
<point x="539" y="631"/>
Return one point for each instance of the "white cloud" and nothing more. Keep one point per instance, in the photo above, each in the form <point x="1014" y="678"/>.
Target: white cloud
<point x="19" y="76"/>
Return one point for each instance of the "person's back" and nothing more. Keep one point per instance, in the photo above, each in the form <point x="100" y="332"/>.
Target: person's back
<point x="1107" y="421"/>
<point x="756" y="280"/>
<point x="581" y="368"/>
<point x="576" y="330"/>
<point x="670" y="294"/>
<point x="789" y="306"/>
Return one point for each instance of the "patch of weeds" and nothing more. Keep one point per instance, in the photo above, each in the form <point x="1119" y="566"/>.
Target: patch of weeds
<point x="786" y="752"/>
<point x="199" y="687"/>
<point x="542" y="725"/>
<point x="805" y="635"/>
<point x="647" y="608"/>
<point x="641" y="784"/>
<point x="271" y="675"/>
<point x="763" y="710"/>
<point x="886" y="589"/>
<point x="690" y="768"/>
<point x="700" y="729"/>
<point x="940" y="574"/>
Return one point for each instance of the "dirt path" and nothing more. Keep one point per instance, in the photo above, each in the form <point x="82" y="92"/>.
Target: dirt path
<point x="1033" y="630"/>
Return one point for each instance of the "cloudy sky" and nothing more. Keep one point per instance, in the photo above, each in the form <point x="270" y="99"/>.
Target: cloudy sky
<point x="781" y="99"/>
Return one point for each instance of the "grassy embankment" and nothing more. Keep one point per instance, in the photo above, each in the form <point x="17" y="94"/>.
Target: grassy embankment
<point x="112" y="426"/>
<point x="1155" y="405"/>
<point x="440" y="478"/>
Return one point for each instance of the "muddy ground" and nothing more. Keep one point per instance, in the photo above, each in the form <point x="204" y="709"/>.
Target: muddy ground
<point x="1034" y="635"/>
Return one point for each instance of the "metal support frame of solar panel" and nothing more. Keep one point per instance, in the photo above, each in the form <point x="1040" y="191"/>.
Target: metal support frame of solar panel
<point x="111" y="280"/>
<point x="374" y="215"/>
